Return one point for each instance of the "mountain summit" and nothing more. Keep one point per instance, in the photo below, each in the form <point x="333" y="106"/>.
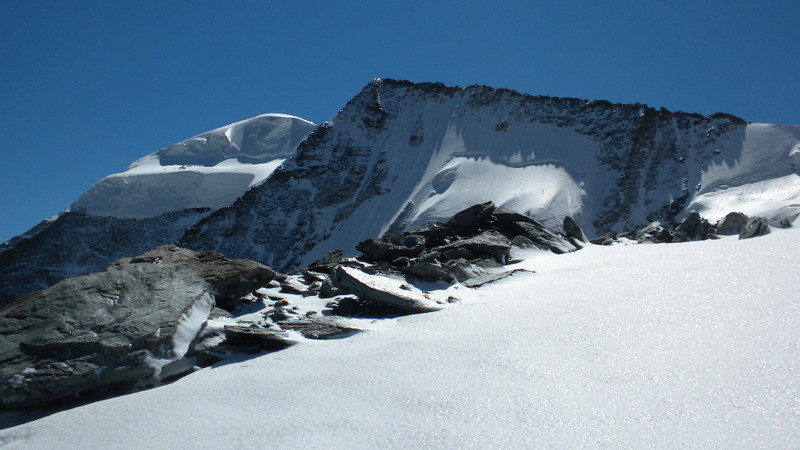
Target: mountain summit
<point x="285" y="192"/>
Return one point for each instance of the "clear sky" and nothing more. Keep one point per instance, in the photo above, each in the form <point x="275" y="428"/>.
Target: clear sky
<point x="87" y="87"/>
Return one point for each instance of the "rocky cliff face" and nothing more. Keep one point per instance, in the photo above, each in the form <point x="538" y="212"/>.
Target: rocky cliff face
<point x="78" y="243"/>
<point x="400" y="154"/>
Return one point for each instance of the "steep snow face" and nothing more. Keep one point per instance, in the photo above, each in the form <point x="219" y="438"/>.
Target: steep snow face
<point x="207" y="171"/>
<point x="400" y="154"/>
<point x="760" y="180"/>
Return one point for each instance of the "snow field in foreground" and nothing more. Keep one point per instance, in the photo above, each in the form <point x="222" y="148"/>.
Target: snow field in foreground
<point x="674" y="345"/>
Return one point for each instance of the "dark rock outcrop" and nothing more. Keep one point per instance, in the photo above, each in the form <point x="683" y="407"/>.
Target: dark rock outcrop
<point x="573" y="231"/>
<point x="756" y="226"/>
<point x="97" y="331"/>
<point x="391" y="292"/>
<point x="109" y="330"/>
<point x="257" y="338"/>
<point x="318" y="327"/>
<point x="408" y="245"/>
<point x="230" y="279"/>
<point x="731" y="224"/>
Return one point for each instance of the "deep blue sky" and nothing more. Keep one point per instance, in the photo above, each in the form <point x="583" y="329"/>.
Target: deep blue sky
<point x="88" y="87"/>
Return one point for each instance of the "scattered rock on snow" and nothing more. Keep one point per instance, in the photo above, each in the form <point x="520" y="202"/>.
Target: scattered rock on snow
<point x="756" y="226"/>
<point x="257" y="337"/>
<point x="731" y="224"/>
<point x="319" y="327"/>
<point x="383" y="290"/>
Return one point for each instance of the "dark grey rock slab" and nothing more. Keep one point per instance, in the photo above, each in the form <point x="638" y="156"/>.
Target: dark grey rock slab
<point x="384" y="290"/>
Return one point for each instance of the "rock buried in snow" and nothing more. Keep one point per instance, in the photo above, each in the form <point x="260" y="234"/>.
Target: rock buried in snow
<point x="314" y="327"/>
<point x="384" y="290"/>
<point x="489" y="278"/>
<point x="257" y="337"/>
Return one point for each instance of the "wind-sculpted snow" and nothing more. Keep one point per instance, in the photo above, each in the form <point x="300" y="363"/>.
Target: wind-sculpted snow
<point x="400" y="154"/>
<point x="207" y="171"/>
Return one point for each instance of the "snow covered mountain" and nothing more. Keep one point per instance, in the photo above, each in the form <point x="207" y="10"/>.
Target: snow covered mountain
<point x="400" y="154"/>
<point x="626" y="346"/>
<point x="152" y="203"/>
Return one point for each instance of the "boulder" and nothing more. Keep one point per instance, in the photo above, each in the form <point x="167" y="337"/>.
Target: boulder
<point x="257" y="337"/>
<point x="692" y="228"/>
<point x="542" y="238"/>
<point x="319" y="327"/>
<point x="489" y="243"/>
<point x="430" y="271"/>
<point x="471" y="218"/>
<point x="99" y="331"/>
<point x="572" y="230"/>
<point x="489" y="278"/>
<point x="731" y="224"/>
<point x="504" y="216"/>
<point x="388" y="249"/>
<point x="383" y="290"/>
<point x="328" y="262"/>
<point x="756" y="226"/>
<point x="434" y="233"/>
<point x="229" y="279"/>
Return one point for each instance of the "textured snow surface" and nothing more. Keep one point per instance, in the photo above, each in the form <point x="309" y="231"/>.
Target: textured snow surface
<point x="210" y="170"/>
<point x="676" y="345"/>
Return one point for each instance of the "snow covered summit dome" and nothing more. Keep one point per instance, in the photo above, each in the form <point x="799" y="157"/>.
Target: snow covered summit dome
<point x="209" y="170"/>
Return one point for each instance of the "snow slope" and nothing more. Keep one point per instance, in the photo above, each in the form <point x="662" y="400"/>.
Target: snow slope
<point x="210" y="170"/>
<point x="400" y="154"/>
<point x="670" y="346"/>
<point x="150" y="204"/>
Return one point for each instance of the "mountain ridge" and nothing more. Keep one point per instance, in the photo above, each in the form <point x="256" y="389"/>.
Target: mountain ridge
<point x="400" y="153"/>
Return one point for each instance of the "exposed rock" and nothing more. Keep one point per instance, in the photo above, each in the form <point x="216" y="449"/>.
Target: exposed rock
<point x="572" y="230"/>
<point x="319" y="327"/>
<point x="489" y="243"/>
<point x="692" y="228"/>
<point x="732" y="224"/>
<point x="489" y="278"/>
<point x="328" y="290"/>
<point x="388" y="249"/>
<point x="257" y="337"/>
<point x="470" y="218"/>
<point x="230" y="279"/>
<point x="99" y="330"/>
<point x="522" y="242"/>
<point x="383" y="290"/>
<point x="786" y="222"/>
<point x="505" y="216"/>
<point x="328" y="262"/>
<point x="430" y="271"/>
<point x="433" y="232"/>
<point x="542" y="238"/>
<point x="756" y="226"/>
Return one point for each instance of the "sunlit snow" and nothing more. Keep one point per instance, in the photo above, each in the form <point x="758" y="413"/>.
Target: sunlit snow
<point x="675" y="345"/>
